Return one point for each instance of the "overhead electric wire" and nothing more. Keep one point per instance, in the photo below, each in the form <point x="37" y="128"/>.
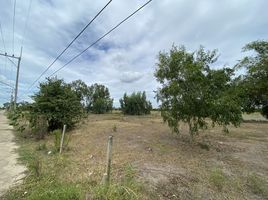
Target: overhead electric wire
<point x="2" y="36"/>
<point x="26" y="22"/>
<point x="14" y="17"/>
<point x="12" y="61"/>
<point x="6" y="84"/>
<point x="49" y="66"/>
<point x="101" y="37"/>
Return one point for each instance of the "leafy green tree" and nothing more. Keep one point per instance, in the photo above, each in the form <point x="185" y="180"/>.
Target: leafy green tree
<point x="82" y="91"/>
<point x="254" y="84"/>
<point x="191" y="91"/>
<point x="58" y="103"/>
<point x="99" y="100"/>
<point x="135" y="104"/>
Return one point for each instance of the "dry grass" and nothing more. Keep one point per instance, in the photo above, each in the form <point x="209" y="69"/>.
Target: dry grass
<point x="168" y="164"/>
<point x="162" y="158"/>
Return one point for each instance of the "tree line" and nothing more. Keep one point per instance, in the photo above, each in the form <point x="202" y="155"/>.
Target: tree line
<point x="191" y="91"/>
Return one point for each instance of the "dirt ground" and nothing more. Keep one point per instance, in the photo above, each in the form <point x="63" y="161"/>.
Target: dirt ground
<point x="215" y="166"/>
<point x="10" y="172"/>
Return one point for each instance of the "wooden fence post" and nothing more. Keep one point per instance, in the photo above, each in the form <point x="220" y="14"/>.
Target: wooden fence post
<point x="62" y="137"/>
<point x="107" y="174"/>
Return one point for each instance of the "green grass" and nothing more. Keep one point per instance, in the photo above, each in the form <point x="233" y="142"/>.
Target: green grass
<point x="258" y="185"/>
<point x="126" y="189"/>
<point x="217" y="178"/>
<point x="45" y="178"/>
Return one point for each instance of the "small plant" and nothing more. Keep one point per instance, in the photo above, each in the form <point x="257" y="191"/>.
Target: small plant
<point x="57" y="138"/>
<point x="217" y="178"/>
<point x="114" y="128"/>
<point x="35" y="166"/>
<point x="41" y="147"/>
<point x="258" y="185"/>
<point x="128" y="188"/>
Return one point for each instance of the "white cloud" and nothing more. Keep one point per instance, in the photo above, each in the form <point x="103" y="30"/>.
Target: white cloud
<point x="124" y="60"/>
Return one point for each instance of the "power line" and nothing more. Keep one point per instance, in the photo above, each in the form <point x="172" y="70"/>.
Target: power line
<point x="14" y="15"/>
<point x="6" y="84"/>
<point x="2" y="35"/>
<point x="70" y="44"/>
<point x="101" y="37"/>
<point x="26" y="22"/>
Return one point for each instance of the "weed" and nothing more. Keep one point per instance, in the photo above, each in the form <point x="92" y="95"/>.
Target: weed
<point x="35" y="167"/>
<point x="56" y="191"/>
<point x="126" y="189"/>
<point x="258" y="185"/>
<point x="57" y="139"/>
<point x="217" y="178"/>
<point x="114" y="128"/>
<point x="41" y="147"/>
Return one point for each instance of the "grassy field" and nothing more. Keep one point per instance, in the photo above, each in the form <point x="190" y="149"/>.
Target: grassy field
<point x="149" y="162"/>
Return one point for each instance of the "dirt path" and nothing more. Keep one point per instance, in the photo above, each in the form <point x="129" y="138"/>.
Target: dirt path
<point x="10" y="171"/>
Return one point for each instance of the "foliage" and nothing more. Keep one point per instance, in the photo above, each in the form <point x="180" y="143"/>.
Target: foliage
<point x="58" y="103"/>
<point x="99" y="99"/>
<point x="254" y="85"/>
<point x="94" y="98"/>
<point x="82" y="91"/>
<point x="135" y="104"/>
<point x="191" y="91"/>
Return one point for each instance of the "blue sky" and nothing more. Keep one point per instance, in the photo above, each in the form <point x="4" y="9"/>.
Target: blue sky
<point x="125" y="60"/>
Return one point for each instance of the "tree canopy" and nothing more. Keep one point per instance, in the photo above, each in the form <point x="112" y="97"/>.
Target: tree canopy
<point x="254" y="83"/>
<point x="135" y="104"/>
<point x="99" y="99"/>
<point x="58" y="103"/>
<point x="192" y="91"/>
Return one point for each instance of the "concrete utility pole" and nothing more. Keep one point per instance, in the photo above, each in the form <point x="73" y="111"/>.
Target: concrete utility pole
<point x="17" y="75"/>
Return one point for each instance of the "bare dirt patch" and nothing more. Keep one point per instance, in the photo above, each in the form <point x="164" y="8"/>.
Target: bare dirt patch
<point x="10" y="171"/>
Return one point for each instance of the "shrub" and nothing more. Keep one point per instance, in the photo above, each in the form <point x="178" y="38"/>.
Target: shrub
<point x="135" y="104"/>
<point x="58" y="103"/>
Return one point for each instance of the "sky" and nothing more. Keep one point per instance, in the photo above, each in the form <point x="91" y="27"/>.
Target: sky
<point x="125" y="60"/>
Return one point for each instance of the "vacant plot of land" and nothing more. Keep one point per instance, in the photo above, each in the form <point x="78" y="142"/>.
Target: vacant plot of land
<point x="215" y="166"/>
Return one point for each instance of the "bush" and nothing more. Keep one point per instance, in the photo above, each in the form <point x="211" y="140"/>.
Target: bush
<point x="135" y="104"/>
<point x="58" y="103"/>
<point x="264" y="111"/>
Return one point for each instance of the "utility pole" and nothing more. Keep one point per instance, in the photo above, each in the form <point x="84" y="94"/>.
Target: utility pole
<point x="17" y="80"/>
<point x="17" y="75"/>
